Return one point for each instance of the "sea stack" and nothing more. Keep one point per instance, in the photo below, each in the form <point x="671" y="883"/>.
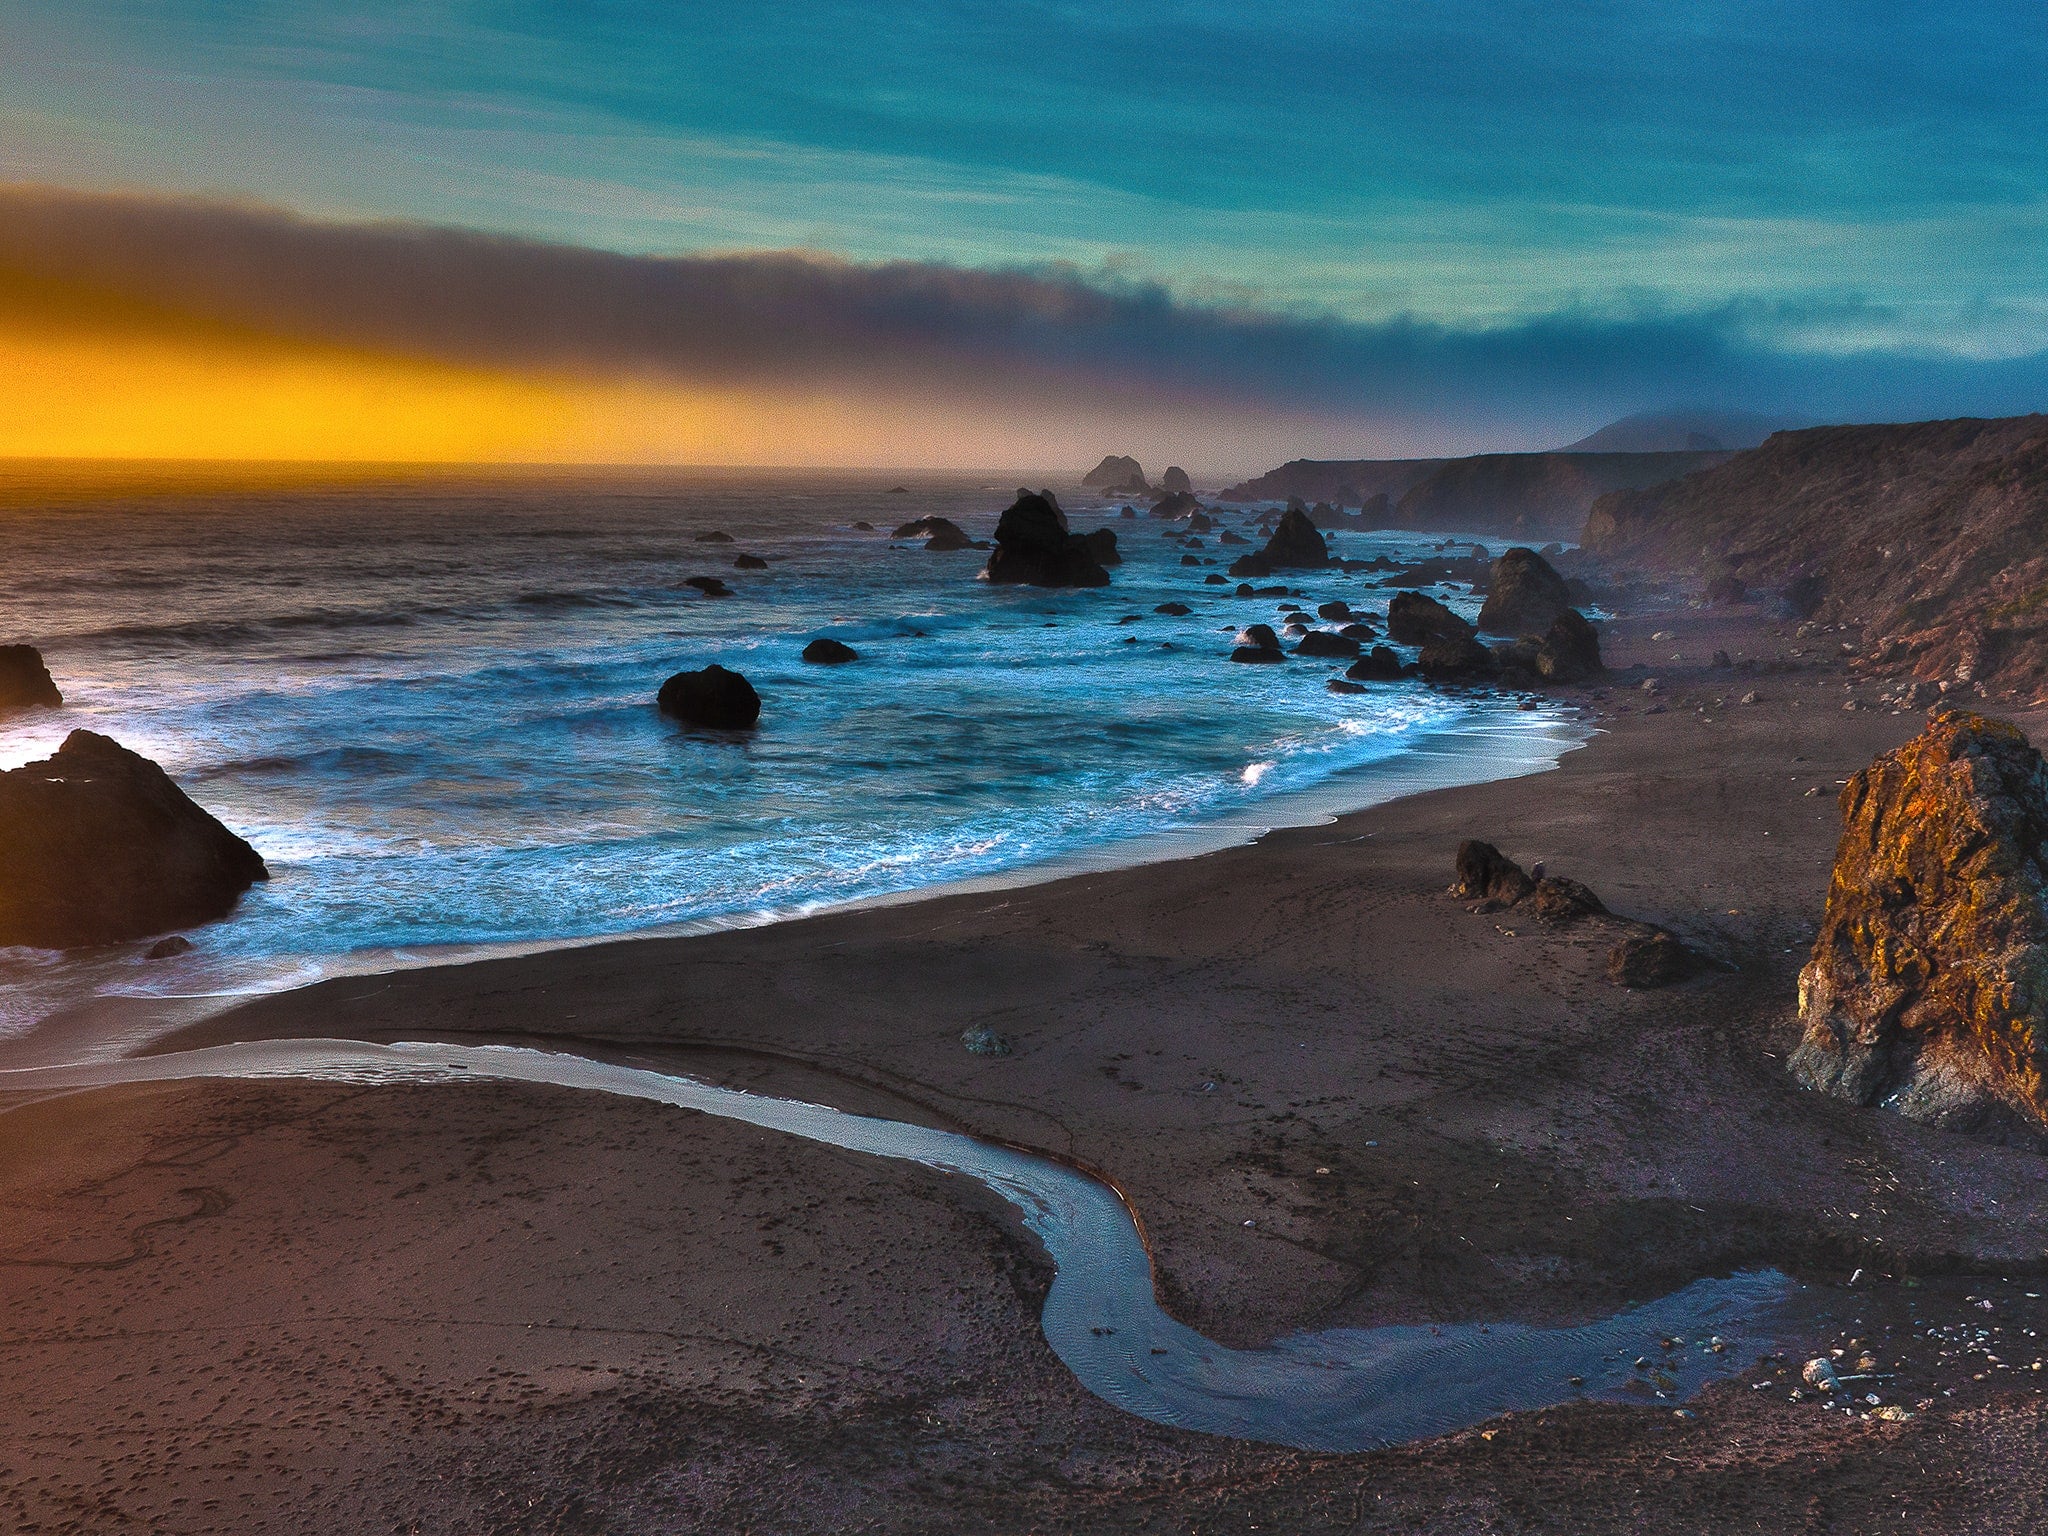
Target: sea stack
<point x="25" y="682"/>
<point x="99" y="846"/>
<point x="1296" y="545"/>
<point x="1927" y="991"/>
<point x="1117" y="475"/>
<point x="1524" y="595"/>
<point x="714" y="697"/>
<point x="1034" y="547"/>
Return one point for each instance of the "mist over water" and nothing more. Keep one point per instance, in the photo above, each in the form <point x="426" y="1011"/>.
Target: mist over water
<point x="430" y="706"/>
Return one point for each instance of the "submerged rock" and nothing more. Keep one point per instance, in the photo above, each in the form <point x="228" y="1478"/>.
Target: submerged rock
<point x="1035" y="547"/>
<point x="713" y="697"/>
<point x="714" y="536"/>
<point x="1927" y="990"/>
<point x="750" y="563"/>
<point x="99" y="846"/>
<point x="710" y="586"/>
<point x="1524" y="595"/>
<point x="1174" y="610"/>
<point x="25" y="682"/>
<point x="827" y="652"/>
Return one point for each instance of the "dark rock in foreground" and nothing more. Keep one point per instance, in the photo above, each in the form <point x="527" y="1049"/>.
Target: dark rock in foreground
<point x="1524" y="595"/>
<point x="827" y="652"/>
<point x="1320" y="642"/>
<point x="1927" y="990"/>
<point x="714" y="697"/>
<point x="1414" y="619"/>
<point x="1034" y="547"/>
<point x="98" y="846"/>
<point x="1456" y="659"/>
<point x="1484" y="873"/>
<point x="1379" y="665"/>
<point x="25" y="682"/>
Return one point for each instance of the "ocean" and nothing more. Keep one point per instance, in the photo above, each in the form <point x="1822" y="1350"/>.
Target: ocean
<point x="428" y="701"/>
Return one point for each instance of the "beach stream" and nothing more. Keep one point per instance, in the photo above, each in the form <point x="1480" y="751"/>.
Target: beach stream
<point x="1338" y="1390"/>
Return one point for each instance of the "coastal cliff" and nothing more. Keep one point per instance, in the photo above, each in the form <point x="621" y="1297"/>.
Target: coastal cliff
<point x="1928" y="536"/>
<point x="1534" y="495"/>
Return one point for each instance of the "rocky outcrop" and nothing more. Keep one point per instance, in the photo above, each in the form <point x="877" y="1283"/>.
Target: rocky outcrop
<point x="714" y="698"/>
<point x="1296" y="545"/>
<point x="1927" y="990"/>
<point x="1116" y="475"/>
<point x="1569" y="652"/>
<point x="1524" y="595"/>
<point x="1379" y="665"/>
<point x="827" y="652"/>
<point x="1034" y="547"/>
<point x="1926" y="536"/>
<point x="1416" y="619"/>
<point x="1176" y="479"/>
<point x="1650" y="957"/>
<point x="25" y="682"/>
<point x="99" y="846"/>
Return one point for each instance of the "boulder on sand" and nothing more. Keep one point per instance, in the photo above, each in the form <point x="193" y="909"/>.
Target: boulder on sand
<point x="827" y="652"/>
<point x="1524" y="595"/>
<point x="1651" y="958"/>
<point x="714" y="697"/>
<point x="1414" y="619"/>
<point x="1927" y="990"/>
<point x="1035" y="547"/>
<point x="99" y="846"/>
<point x="25" y="682"/>
<point x="1295" y="546"/>
<point x="1484" y="873"/>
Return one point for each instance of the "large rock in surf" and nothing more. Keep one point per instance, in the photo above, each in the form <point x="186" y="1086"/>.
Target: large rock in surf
<point x="25" y="682"/>
<point x="98" y="846"/>
<point x="939" y="533"/>
<point x="1294" y="546"/>
<point x="1415" y="619"/>
<point x="1034" y="547"/>
<point x="714" y="697"/>
<point x="1927" y="990"/>
<point x="1177" y="504"/>
<point x="827" y="652"/>
<point x="1524" y="595"/>
<point x="1176" y="479"/>
<point x="1456" y="659"/>
<point x="1117" y="475"/>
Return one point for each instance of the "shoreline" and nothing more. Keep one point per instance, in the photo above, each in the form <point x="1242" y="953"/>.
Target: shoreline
<point x="124" y="1018"/>
<point x="1338" y="1099"/>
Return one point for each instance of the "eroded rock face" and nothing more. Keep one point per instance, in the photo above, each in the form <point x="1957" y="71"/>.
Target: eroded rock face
<point x="1524" y="595"/>
<point x="99" y="846"/>
<point x="1035" y="547"/>
<point x="1927" y="991"/>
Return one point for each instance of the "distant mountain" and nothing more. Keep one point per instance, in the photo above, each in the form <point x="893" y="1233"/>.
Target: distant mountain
<point x="1525" y="495"/>
<point x="1683" y="430"/>
<point x="1928" y="536"/>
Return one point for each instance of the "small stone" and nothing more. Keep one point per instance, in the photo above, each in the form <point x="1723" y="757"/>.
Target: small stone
<point x="165" y="949"/>
<point x="1819" y="1372"/>
<point x="983" y="1041"/>
<point x="1752" y="697"/>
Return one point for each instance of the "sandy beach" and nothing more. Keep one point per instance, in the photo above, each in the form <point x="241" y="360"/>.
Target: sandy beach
<point x="1334" y="1095"/>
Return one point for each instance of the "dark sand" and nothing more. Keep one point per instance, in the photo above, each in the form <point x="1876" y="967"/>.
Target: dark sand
<point x="243" y="1307"/>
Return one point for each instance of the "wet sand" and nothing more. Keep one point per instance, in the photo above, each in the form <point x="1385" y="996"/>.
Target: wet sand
<point x="1334" y="1095"/>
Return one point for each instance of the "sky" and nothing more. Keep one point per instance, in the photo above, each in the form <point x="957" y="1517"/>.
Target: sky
<point x="980" y="234"/>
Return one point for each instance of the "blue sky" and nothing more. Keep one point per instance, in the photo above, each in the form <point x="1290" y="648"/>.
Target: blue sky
<point x="1835" y="180"/>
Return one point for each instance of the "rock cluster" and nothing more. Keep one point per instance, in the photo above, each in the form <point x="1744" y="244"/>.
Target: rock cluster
<point x="1034" y="547"/>
<point x="713" y="697"/>
<point x="99" y="846"/>
<point x="1647" y="956"/>
<point x="1524" y="595"/>
<point x="1927" y="990"/>
<point x="24" y="681"/>
<point x="1295" y="545"/>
